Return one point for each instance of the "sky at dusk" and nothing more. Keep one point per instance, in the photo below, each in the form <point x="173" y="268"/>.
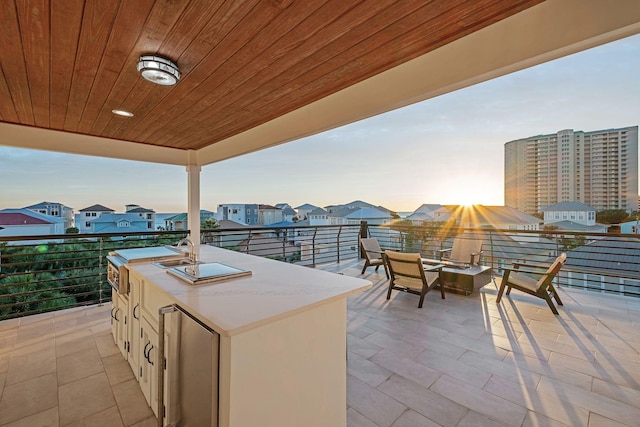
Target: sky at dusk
<point x="447" y="150"/>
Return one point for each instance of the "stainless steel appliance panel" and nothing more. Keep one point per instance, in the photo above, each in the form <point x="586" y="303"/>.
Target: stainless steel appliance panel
<point x="197" y="380"/>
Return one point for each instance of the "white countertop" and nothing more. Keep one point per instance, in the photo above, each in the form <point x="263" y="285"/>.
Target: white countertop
<point x="274" y="290"/>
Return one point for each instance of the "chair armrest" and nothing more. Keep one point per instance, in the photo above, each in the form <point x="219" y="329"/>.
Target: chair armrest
<point x="527" y="271"/>
<point x="432" y="267"/>
<point x="374" y="252"/>
<point x="517" y="265"/>
<point x="428" y="261"/>
<point x="441" y="252"/>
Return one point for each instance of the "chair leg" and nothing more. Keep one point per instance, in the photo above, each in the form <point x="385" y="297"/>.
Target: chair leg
<point x="441" y="285"/>
<point x="502" y="285"/>
<point x="555" y="294"/>
<point x="547" y="298"/>
<point x="386" y="270"/>
<point x="377" y="267"/>
<point x="366" y="264"/>
<point x="422" y="294"/>
<point x="390" y="288"/>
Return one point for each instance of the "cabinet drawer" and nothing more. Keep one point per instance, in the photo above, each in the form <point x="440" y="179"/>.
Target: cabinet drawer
<point x="151" y="299"/>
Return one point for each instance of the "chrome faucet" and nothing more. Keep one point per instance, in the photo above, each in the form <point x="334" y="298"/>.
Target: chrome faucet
<point x="192" y="249"/>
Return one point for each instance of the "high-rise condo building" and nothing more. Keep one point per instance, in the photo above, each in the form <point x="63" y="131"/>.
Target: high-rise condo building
<point x="598" y="168"/>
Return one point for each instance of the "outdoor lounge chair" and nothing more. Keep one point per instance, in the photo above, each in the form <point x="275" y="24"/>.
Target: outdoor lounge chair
<point x="541" y="286"/>
<point x="465" y="250"/>
<point x="408" y="274"/>
<point x="373" y="255"/>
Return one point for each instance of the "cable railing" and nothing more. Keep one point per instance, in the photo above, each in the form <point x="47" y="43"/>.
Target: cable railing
<point x="53" y="272"/>
<point x="597" y="262"/>
<point x="304" y="245"/>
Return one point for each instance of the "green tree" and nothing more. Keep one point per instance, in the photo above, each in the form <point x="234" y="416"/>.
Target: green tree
<point x="611" y="216"/>
<point x="209" y="224"/>
<point x="72" y="230"/>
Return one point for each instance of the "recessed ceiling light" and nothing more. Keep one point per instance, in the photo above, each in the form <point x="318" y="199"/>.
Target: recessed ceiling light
<point x="122" y="113"/>
<point x="158" y="70"/>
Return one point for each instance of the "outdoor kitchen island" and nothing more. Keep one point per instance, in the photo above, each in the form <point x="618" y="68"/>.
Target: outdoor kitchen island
<point x="279" y="354"/>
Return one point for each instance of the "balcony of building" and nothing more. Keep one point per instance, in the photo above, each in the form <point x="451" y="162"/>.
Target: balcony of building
<point x="255" y="75"/>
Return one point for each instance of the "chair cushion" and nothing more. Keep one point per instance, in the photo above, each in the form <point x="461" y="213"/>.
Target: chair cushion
<point x="523" y="281"/>
<point x="408" y="282"/>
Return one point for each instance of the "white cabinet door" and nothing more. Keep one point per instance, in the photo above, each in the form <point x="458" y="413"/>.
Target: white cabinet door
<point x="134" y="334"/>
<point x="151" y="361"/>
<point x="148" y="358"/>
<point x="119" y="316"/>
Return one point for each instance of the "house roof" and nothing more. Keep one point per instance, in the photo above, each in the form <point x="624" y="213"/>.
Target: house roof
<point x="268" y="207"/>
<point x="43" y="205"/>
<point x="115" y="217"/>
<point x="19" y="218"/>
<point x="608" y="254"/>
<point x="368" y="213"/>
<point x="288" y="211"/>
<point x="224" y="224"/>
<point x="282" y="224"/>
<point x="97" y="208"/>
<point x="242" y="62"/>
<point x="131" y="229"/>
<point x="140" y="210"/>
<point x="575" y="226"/>
<point x="420" y="216"/>
<point x="480" y="215"/>
<point x="307" y="206"/>
<point x="428" y="208"/>
<point x="569" y="207"/>
<point x="318" y="211"/>
<point x="36" y="217"/>
<point x="185" y="216"/>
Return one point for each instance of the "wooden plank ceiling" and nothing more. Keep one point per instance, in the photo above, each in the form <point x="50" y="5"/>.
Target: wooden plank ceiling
<point x="65" y="64"/>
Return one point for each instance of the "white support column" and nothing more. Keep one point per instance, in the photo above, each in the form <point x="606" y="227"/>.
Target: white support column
<point x="193" y="204"/>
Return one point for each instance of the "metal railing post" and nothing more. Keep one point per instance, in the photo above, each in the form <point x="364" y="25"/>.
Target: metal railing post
<point x="100" y="282"/>
<point x="364" y="233"/>
<point x="338" y="243"/>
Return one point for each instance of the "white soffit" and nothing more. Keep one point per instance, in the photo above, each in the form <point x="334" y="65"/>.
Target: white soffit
<point x="73" y="143"/>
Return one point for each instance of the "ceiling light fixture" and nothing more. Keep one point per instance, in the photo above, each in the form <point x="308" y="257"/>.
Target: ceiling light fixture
<point x="158" y="70"/>
<point x="122" y="113"/>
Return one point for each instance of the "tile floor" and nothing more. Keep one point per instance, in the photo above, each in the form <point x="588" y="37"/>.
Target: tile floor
<point x="464" y="361"/>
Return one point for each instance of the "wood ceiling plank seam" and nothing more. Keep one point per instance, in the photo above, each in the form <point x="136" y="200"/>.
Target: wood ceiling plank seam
<point x="97" y="21"/>
<point x="65" y="23"/>
<point x="126" y="32"/>
<point x="143" y="97"/>
<point x="14" y="64"/>
<point x="410" y="46"/>
<point x="258" y="17"/>
<point x="368" y="8"/>
<point x="286" y="51"/>
<point x="33" y="19"/>
<point x="254" y="55"/>
<point x="357" y="35"/>
<point x="174" y="48"/>
<point x="278" y="110"/>
<point x="129" y="86"/>
<point x="8" y="111"/>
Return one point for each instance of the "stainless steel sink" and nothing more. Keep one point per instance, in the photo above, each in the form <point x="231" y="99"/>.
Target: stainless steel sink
<point x="176" y="263"/>
<point x="206" y="272"/>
